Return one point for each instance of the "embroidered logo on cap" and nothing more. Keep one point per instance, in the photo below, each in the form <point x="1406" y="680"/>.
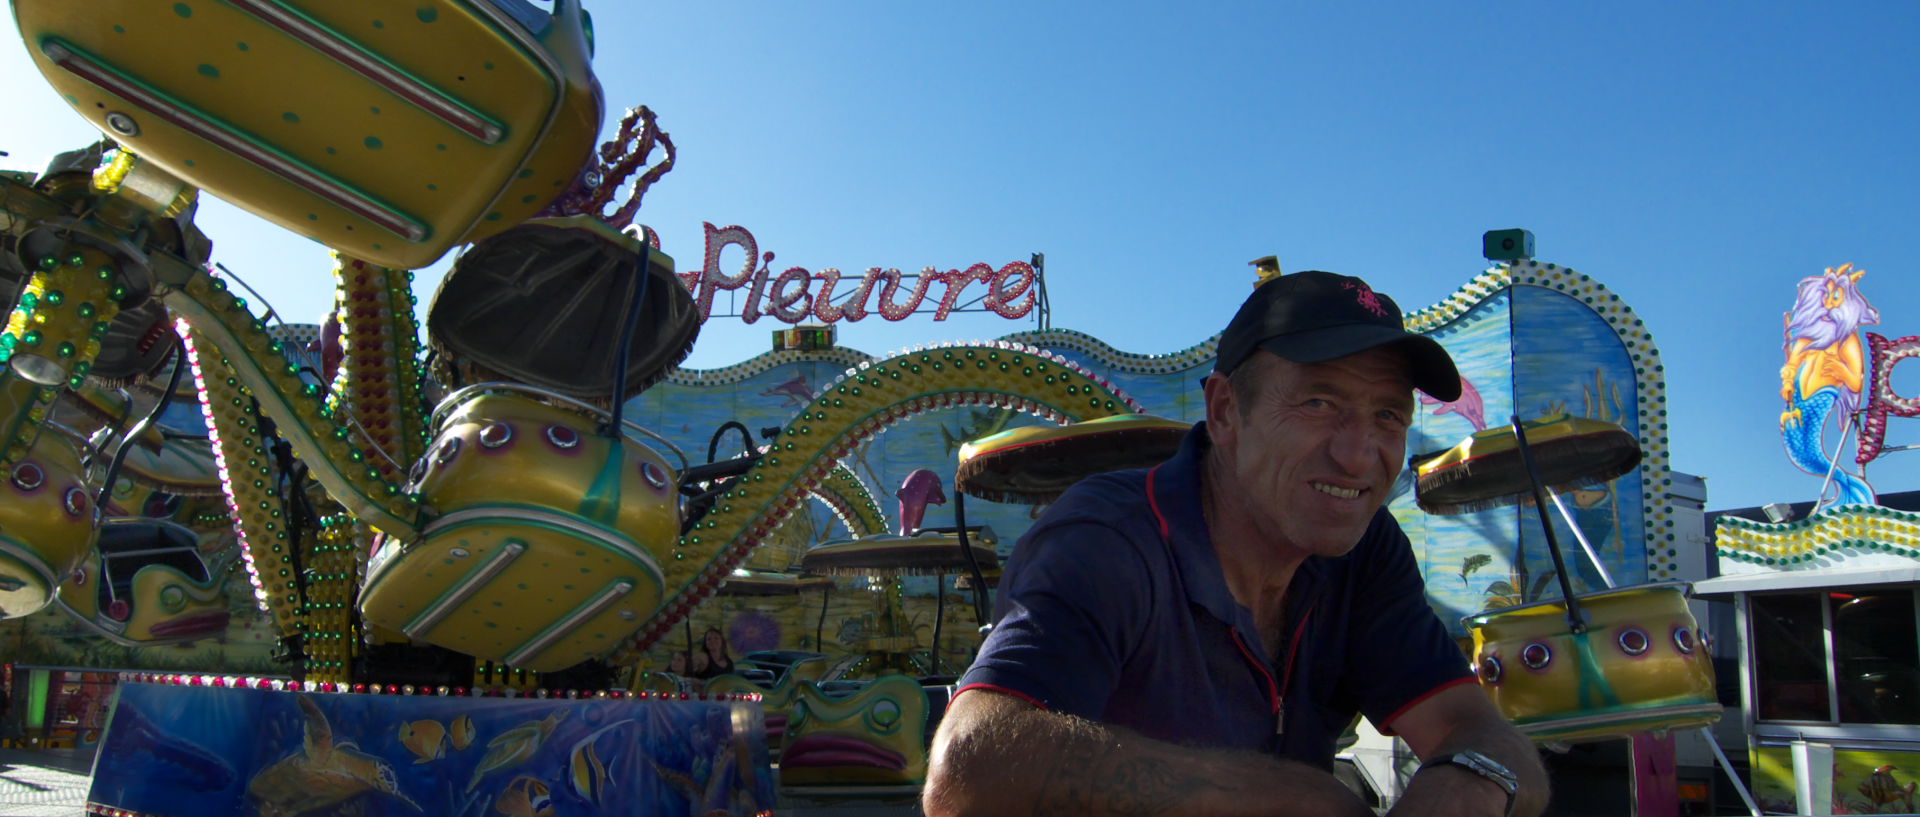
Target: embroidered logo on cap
<point x="1365" y="296"/>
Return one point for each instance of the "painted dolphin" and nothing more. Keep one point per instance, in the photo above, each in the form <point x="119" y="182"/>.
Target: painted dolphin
<point x="1468" y="407"/>
<point x="797" y="391"/>
<point x="920" y="489"/>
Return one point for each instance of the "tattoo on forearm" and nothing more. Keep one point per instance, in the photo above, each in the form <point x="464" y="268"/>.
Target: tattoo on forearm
<point x="1068" y="786"/>
<point x="1140" y="787"/>
<point x="1132" y="786"/>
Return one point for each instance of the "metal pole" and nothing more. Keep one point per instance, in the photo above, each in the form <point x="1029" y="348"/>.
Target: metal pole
<point x="1575" y="624"/>
<point x="973" y="565"/>
<point x="1592" y="555"/>
<point x="939" y="618"/>
<point x="1727" y="765"/>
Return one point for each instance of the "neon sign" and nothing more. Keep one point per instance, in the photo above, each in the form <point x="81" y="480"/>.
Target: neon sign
<point x="1011" y="291"/>
<point x="1881" y="398"/>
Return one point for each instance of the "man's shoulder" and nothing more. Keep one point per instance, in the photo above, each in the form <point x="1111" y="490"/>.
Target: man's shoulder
<point x="1095" y="517"/>
<point x="1117" y="499"/>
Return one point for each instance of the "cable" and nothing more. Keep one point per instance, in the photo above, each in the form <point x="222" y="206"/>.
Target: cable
<point x="120" y="453"/>
<point x="626" y="340"/>
<point x="713" y="445"/>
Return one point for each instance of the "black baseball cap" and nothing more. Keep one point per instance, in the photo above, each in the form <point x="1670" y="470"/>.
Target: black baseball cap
<point x="1316" y="316"/>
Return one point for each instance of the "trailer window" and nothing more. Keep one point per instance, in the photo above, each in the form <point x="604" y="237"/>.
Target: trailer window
<point x="1790" y="662"/>
<point x="1876" y="656"/>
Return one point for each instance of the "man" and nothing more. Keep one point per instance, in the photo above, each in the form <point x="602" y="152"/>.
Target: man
<point x="1191" y="639"/>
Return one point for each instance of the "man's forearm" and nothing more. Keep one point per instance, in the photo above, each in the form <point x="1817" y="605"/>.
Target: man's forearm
<point x="1007" y="759"/>
<point x="1503" y="745"/>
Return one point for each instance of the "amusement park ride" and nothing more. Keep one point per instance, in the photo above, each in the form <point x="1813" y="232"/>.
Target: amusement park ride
<point x="478" y="528"/>
<point x="483" y="497"/>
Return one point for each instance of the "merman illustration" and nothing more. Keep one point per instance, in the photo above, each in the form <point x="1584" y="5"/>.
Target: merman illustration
<point x="1823" y="373"/>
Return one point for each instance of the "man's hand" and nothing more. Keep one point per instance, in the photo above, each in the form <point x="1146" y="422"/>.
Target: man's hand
<point x="1457" y="719"/>
<point x="999" y="755"/>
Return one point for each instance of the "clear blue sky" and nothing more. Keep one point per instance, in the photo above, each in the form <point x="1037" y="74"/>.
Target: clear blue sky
<point x="1697" y="158"/>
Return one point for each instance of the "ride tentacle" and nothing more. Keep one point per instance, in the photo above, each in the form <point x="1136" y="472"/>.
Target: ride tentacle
<point x="252" y="483"/>
<point x="851" y="502"/>
<point x="332" y="576"/>
<point x="864" y="402"/>
<point x="321" y="436"/>
<point x="52" y="337"/>
<point x="381" y="380"/>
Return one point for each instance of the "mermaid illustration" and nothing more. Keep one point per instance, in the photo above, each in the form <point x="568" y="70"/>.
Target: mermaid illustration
<point x="1823" y="374"/>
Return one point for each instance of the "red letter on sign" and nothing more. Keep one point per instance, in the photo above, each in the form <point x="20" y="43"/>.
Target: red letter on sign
<point x="1881" y="401"/>
<point x="712" y="280"/>
<point x="1001" y="295"/>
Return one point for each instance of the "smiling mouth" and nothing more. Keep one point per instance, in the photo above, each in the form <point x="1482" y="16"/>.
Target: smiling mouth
<point x="1337" y="491"/>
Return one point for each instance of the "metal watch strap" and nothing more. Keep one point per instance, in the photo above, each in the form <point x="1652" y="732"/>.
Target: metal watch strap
<point x="1486" y="767"/>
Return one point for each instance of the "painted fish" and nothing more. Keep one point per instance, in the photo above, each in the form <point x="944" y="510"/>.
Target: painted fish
<point x="1882" y="787"/>
<point x="427" y="740"/>
<point x="525" y="797"/>
<point x="515" y="746"/>
<point x="589" y="775"/>
<point x="980" y="423"/>
<point x="461" y="733"/>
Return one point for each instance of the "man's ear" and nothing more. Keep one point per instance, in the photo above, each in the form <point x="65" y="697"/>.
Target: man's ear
<point x="1223" y="410"/>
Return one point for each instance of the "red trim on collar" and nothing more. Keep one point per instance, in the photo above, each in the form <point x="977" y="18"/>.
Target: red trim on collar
<point x="1293" y="648"/>
<point x="1386" y="727"/>
<point x="1153" y="503"/>
<point x="1002" y="690"/>
<point x="1273" y="689"/>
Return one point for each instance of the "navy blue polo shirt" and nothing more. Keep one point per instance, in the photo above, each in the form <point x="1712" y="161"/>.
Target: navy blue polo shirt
<point x="1114" y="608"/>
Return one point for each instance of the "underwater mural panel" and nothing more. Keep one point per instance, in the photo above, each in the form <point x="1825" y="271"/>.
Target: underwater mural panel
<point x="173" y="749"/>
<point x="1864" y="781"/>
<point x="1568" y="346"/>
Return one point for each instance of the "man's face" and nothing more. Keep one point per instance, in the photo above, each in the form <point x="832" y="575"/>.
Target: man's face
<point x="1316" y="449"/>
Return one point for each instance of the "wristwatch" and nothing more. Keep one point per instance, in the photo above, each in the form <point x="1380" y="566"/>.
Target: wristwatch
<point x="1483" y="766"/>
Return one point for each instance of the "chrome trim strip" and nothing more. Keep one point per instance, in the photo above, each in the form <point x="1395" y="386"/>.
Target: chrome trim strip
<point x="224" y="137"/>
<point x="467" y="587"/>
<point x="33" y="562"/>
<point x="597" y="605"/>
<point x="1547" y="729"/>
<point x="363" y="62"/>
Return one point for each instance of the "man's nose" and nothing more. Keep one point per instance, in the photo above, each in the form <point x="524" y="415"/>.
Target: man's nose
<point x="1355" y="448"/>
